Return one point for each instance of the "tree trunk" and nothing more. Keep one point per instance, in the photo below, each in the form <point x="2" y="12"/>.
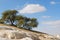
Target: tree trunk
<point x="11" y="22"/>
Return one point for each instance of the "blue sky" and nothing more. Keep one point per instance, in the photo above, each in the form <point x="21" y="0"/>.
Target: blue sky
<point x="47" y="12"/>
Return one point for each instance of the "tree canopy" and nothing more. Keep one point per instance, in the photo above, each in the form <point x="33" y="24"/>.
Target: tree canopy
<point x="11" y="17"/>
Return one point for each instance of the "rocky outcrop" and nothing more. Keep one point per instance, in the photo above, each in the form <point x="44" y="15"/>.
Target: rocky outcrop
<point x="11" y="33"/>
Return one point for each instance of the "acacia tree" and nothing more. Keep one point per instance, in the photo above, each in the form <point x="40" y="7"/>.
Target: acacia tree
<point x="1" y="21"/>
<point x="19" y="20"/>
<point x="9" y="16"/>
<point x="27" y="23"/>
<point x="32" y="23"/>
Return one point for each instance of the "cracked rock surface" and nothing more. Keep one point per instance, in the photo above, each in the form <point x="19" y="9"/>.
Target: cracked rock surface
<point x="12" y="33"/>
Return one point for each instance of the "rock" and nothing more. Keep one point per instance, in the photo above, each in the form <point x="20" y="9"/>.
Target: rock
<point x="11" y="33"/>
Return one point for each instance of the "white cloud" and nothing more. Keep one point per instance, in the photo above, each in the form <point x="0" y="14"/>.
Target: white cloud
<point x="32" y="8"/>
<point x="52" y="23"/>
<point x="46" y="16"/>
<point x="53" y="2"/>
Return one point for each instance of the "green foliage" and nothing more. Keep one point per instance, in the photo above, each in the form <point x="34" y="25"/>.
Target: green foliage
<point x="1" y="21"/>
<point x="11" y="17"/>
<point x="28" y="23"/>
